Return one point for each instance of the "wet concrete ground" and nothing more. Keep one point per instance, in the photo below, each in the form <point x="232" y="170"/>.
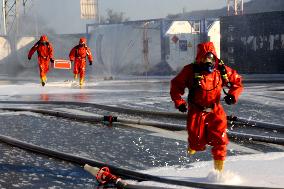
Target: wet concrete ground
<point x="111" y="145"/>
<point x="21" y="169"/>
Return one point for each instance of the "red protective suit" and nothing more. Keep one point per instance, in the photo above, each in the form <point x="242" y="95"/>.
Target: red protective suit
<point x="78" y="54"/>
<point x="206" y="127"/>
<point x="45" y="55"/>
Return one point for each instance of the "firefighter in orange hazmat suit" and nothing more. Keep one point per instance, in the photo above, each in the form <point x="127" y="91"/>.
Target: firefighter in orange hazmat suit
<point x="78" y="54"/>
<point x="206" y="118"/>
<point x="45" y="55"/>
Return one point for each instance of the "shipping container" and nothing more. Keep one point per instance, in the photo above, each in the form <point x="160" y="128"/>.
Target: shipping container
<point x="254" y="43"/>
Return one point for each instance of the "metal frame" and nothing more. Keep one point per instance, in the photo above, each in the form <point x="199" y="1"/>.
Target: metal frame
<point x="10" y="12"/>
<point x="238" y="6"/>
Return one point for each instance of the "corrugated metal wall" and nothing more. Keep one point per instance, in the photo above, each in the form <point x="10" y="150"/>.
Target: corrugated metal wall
<point x="254" y="43"/>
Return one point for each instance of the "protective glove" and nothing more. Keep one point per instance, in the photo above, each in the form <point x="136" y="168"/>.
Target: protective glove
<point x="230" y="99"/>
<point x="51" y="60"/>
<point x="90" y="63"/>
<point x="182" y="108"/>
<point x="29" y="58"/>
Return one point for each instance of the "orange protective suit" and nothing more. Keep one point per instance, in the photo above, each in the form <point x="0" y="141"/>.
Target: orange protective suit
<point x="78" y="54"/>
<point x="206" y="120"/>
<point x="45" y="55"/>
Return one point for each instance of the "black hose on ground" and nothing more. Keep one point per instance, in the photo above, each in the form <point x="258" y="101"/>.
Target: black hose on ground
<point x="127" y="174"/>
<point x="270" y="126"/>
<point x="92" y="119"/>
<point x="103" y="107"/>
<point x="265" y="125"/>
<point x="267" y="139"/>
<point x="97" y="119"/>
<point x="168" y="126"/>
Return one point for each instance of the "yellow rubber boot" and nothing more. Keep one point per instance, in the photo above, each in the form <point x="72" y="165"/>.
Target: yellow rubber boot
<point x="43" y="81"/>
<point x="191" y="151"/>
<point x="81" y="82"/>
<point x="219" y="165"/>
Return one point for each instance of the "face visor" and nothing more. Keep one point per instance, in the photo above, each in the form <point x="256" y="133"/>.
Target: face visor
<point x="209" y="58"/>
<point x="82" y="44"/>
<point x="208" y="63"/>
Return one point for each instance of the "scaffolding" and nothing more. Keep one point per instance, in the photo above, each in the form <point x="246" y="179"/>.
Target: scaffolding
<point x="146" y="47"/>
<point x="89" y="9"/>
<point x="237" y="5"/>
<point x="10" y="14"/>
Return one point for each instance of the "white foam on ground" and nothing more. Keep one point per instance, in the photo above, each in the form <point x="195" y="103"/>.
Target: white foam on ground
<point x="262" y="170"/>
<point x="226" y="177"/>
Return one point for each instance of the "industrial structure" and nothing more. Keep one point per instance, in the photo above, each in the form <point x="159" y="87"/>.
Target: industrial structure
<point x="254" y="43"/>
<point x="10" y="14"/>
<point x="235" y="7"/>
<point x="135" y="46"/>
<point x="11" y="10"/>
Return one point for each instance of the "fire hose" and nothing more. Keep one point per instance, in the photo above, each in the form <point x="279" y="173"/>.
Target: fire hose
<point x="109" y="174"/>
<point x="111" y="120"/>
<point x="173" y="115"/>
<point x="104" y="175"/>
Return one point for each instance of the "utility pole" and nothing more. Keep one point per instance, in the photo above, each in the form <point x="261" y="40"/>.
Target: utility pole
<point x="4" y="17"/>
<point x="238" y="7"/>
<point x="24" y="5"/>
<point x="146" y="47"/>
<point x="98" y="12"/>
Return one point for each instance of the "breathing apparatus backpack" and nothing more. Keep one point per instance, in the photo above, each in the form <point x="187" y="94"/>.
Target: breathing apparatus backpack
<point x="198" y="76"/>
<point x="44" y="43"/>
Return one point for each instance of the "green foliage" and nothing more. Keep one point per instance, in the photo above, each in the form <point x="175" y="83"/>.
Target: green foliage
<point x="113" y="17"/>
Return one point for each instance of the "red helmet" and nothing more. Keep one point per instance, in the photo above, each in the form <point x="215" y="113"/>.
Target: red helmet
<point x="43" y="38"/>
<point x="82" y="40"/>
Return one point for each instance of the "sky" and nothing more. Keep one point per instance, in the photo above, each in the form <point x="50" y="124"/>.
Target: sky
<point x="64" y="15"/>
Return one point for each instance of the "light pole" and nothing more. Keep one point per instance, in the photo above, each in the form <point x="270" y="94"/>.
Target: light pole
<point x="146" y="47"/>
<point x="98" y="13"/>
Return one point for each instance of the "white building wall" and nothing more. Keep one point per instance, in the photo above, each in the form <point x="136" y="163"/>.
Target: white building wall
<point x="178" y="58"/>
<point x="23" y="46"/>
<point x="5" y="49"/>
<point x="119" y="48"/>
<point x="214" y="36"/>
<point x="180" y="55"/>
<point x="184" y="31"/>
